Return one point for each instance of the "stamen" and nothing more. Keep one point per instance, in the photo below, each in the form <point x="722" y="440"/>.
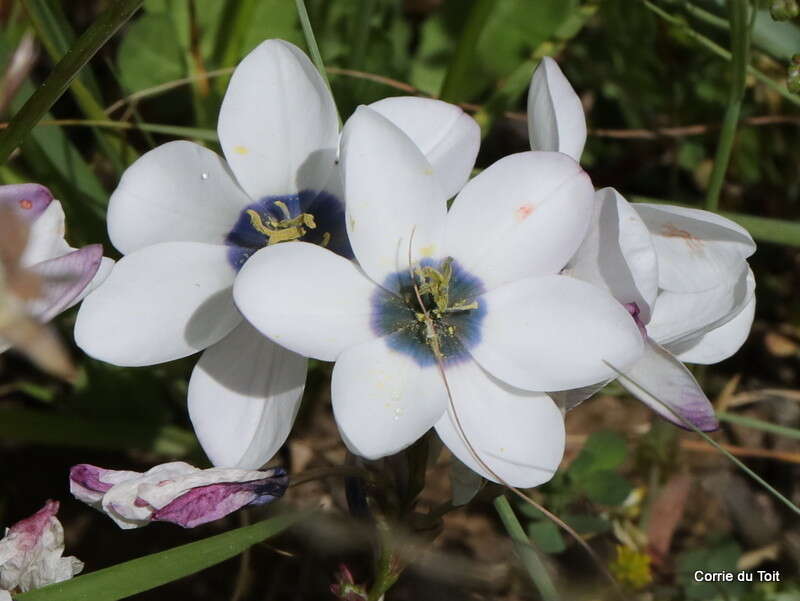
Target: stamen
<point x="284" y="230"/>
<point x="284" y="209"/>
<point x="326" y="239"/>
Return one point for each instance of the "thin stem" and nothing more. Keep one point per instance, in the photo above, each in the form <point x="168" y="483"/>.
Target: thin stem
<point x="721" y="52"/>
<point x="525" y="550"/>
<point x="459" y="71"/>
<point x="313" y="47"/>
<point x="311" y="40"/>
<point x="64" y="73"/>
<point x="758" y="424"/>
<point x="740" y="44"/>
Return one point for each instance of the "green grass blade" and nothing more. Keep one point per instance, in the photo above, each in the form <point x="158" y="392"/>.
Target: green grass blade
<point x="64" y="73"/>
<point x="57" y="35"/>
<point x="149" y="572"/>
<point x="527" y="553"/>
<point x="460" y="69"/>
<point x="311" y="40"/>
<point x="735" y="460"/>
<point x="758" y="424"/>
<point x="30" y="426"/>
<point x="740" y="58"/>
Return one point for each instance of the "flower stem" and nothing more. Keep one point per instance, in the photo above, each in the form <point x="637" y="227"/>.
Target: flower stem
<point x="525" y="550"/>
<point x="64" y="73"/>
<point x="740" y="45"/>
<point x="720" y="51"/>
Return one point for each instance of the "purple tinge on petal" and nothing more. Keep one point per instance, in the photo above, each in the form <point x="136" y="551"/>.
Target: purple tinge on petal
<point x="634" y="310"/>
<point x="27" y="200"/>
<point x="64" y="278"/>
<point x="214" y="501"/>
<point x="89" y="477"/>
<point x="696" y="409"/>
<point x="30" y="529"/>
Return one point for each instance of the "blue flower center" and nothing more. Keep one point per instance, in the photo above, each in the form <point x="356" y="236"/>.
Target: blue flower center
<point x="438" y="313"/>
<point x="310" y="215"/>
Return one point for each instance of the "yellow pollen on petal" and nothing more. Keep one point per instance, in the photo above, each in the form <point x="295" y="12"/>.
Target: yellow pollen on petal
<point x="241" y="150"/>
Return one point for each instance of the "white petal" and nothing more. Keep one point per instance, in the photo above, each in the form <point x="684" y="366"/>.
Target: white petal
<point x="555" y="114"/>
<point x="678" y="317"/>
<point x="306" y="299"/>
<point x="446" y="135"/>
<point x="697" y="250"/>
<point x="519" y="435"/>
<point x="160" y="303"/>
<point x="277" y="125"/>
<point x="64" y="279"/>
<point x="177" y="192"/>
<point x="525" y="215"/>
<point x="720" y="343"/>
<point x="383" y="401"/>
<point x="554" y="333"/>
<point x="658" y="376"/>
<point x="618" y="253"/>
<point x="46" y="237"/>
<point x="567" y="400"/>
<point x="106" y="265"/>
<point x="391" y="192"/>
<point x="243" y="397"/>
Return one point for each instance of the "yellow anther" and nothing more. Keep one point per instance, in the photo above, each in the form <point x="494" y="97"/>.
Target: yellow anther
<point x="284" y="230"/>
<point x="326" y="239"/>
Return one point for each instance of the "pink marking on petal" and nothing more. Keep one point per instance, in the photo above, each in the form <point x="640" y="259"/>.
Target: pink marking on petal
<point x="523" y="212"/>
<point x="27" y="200"/>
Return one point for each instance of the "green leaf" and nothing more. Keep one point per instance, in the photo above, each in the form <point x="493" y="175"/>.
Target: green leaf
<point x="587" y="523"/>
<point x="150" y="53"/>
<point x="603" y="451"/>
<point x="606" y="487"/>
<point x="146" y="573"/>
<point x="546" y="536"/>
<point x="719" y="558"/>
<point x="31" y="426"/>
<point x="516" y="29"/>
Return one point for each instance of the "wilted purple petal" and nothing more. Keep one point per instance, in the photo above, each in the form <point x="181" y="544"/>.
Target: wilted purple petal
<point x="208" y="503"/>
<point x="31" y="552"/>
<point x="27" y="200"/>
<point x="30" y="529"/>
<point x="63" y="280"/>
<point x="664" y="384"/>
<point x="174" y="492"/>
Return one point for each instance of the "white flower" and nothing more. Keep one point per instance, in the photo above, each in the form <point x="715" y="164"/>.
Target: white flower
<point x="681" y="272"/>
<point x="508" y="326"/>
<point x="174" y="492"/>
<point x="65" y="275"/>
<point x="31" y="553"/>
<point x="187" y="221"/>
